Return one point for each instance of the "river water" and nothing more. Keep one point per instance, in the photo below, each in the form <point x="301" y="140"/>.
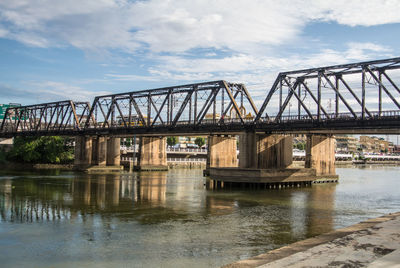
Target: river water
<point x="170" y="219"/>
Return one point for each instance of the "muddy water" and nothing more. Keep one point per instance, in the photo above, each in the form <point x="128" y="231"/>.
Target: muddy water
<point x="170" y="219"/>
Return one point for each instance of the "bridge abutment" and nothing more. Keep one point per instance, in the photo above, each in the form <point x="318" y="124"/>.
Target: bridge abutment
<point x="152" y="153"/>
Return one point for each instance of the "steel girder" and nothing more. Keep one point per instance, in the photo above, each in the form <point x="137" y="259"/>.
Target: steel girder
<point x="194" y="106"/>
<point x="359" y="95"/>
<point x="56" y="117"/>
<point x="359" y="91"/>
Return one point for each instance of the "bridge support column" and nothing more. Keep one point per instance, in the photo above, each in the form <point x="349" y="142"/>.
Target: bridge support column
<point x="274" y="151"/>
<point x="99" y="153"/>
<point x="320" y="154"/>
<point x="248" y="150"/>
<point x="222" y="152"/>
<point x="113" y="152"/>
<point x="153" y="153"/>
<point x="83" y="151"/>
<point x="265" y="151"/>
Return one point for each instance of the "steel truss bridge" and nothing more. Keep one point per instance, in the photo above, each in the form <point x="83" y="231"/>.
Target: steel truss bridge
<point x="361" y="97"/>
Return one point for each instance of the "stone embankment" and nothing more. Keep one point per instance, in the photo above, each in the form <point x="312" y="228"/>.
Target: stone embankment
<point x="373" y="243"/>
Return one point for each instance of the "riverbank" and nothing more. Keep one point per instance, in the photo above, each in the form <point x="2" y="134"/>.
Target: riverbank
<point x="372" y="243"/>
<point x="29" y="166"/>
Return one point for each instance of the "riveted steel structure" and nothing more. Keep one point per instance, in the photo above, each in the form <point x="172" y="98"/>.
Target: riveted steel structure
<point x="55" y="118"/>
<point x="186" y="108"/>
<point x="360" y="97"/>
<point x="210" y="106"/>
<point x="349" y="96"/>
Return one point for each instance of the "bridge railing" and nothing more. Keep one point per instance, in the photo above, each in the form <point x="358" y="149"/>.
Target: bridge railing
<point x="186" y="159"/>
<point x="331" y="117"/>
<point x="187" y="150"/>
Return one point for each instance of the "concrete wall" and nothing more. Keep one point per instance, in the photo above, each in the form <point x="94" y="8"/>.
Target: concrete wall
<point x="222" y="151"/>
<point x="262" y="175"/>
<point x="152" y="151"/>
<point x="320" y="154"/>
<point x="265" y="151"/>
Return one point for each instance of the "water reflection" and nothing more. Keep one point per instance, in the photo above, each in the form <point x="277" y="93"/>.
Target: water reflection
<point x="170" y="217"/>
<point x="60" y="198"/>
<point x="321" y="208"/>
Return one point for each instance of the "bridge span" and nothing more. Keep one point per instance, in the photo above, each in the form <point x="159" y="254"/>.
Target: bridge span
<point x="354" y="98"/>
<point x="351" y="98"/>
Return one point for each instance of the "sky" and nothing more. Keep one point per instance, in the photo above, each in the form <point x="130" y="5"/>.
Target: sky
<point x="53" y="50"/>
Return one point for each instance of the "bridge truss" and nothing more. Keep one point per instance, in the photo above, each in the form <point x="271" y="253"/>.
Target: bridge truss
<point x="187" y="108"/>
<point x="55" y="118"/>
<point x="358" y="92"/>
<point x="347" y="98"/>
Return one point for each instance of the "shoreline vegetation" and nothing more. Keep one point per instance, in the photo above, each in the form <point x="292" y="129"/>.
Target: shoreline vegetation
<point x="53" y="150"/>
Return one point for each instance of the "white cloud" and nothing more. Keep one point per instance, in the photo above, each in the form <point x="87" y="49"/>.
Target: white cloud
<point x="52" y="90"/>
<point x="47" y="91"/>
<point x="356" y="12"/>
<point x="257" y="72"/>
<point x="178" y="26"/>
<point x="167" y="32"/>
<point x="3" y="32"/>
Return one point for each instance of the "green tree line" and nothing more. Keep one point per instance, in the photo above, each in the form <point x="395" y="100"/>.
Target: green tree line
<point x="49" y="150"/>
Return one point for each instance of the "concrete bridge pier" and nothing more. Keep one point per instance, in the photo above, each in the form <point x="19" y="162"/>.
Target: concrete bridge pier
<point x="99" y="151"/>
<point x="264" y="151"/>
<point x="95" y="153"/>
<point x="222" y="151"/>
<point x="264" y="159"/>
<point x="320" y="154"/>
<point x="83" y="151"/>
<point x="152" y="154"/>
<point x="113" y="151"/>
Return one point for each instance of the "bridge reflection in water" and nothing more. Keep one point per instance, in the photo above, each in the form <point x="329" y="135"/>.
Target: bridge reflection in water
<point x="160" y="197"/>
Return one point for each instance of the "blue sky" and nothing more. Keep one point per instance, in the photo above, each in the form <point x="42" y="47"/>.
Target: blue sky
<point x="56" y="50"/>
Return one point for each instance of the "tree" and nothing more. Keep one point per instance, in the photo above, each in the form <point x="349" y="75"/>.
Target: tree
<point x="200" y="141"/>
<point x="300" y="146"/>
<point x="172" y="140"/>
<point x="52" y="149"/>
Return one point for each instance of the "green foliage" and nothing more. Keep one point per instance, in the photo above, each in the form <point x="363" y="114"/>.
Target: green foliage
<point x="128" y="142"/>
<point x="172" y="140"/>
<point x="53" y="150"/>
<point x="301" y="146"/>
<point x="200" y="141"/>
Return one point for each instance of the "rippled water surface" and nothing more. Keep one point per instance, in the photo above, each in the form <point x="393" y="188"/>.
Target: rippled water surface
<point x="66" y="219"/>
